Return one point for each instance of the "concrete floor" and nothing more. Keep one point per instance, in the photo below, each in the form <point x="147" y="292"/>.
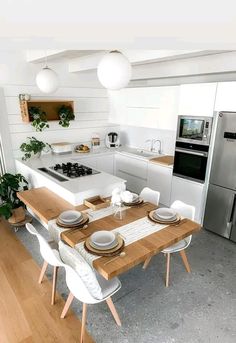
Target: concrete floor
<point x="197" y="307"/>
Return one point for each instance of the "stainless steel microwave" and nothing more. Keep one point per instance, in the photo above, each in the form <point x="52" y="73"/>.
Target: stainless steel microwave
<point x="193" y="129"/>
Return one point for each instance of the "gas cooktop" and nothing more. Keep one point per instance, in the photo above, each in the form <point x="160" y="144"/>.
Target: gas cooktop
<point x="73" y="170"/>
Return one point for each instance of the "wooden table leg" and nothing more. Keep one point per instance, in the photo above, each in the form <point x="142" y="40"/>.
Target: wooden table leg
<point x="146" y="263"/>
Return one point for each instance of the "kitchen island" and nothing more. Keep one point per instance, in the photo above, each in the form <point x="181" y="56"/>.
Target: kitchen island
<point x="40" y="172"/>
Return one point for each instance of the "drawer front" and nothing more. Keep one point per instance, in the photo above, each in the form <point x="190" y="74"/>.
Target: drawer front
<point x="132" y="166"/>
<point x="134" y="184"/>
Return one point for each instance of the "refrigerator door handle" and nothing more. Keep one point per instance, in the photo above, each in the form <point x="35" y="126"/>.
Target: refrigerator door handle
<point x="231" y="213"/>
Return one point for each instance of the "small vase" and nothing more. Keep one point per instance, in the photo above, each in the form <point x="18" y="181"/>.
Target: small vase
<point x="35" y="156"/>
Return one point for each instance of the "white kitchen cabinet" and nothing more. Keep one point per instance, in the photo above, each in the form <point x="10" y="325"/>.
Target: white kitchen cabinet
<point x="90" y="162"/>
<point x="197" y="99"/>
<point x="106" y="163"/>
<point x="225" y="96"/>
<point x="160" y="178"/>
<point x="189" y="192"/>
<point x="133" y="170"/>
<point x="154" y="107"/>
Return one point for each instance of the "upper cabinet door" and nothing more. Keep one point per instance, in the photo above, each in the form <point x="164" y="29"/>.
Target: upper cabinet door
<point x="155" y="107"/>
<point x="225" y="97"/>
<point x="197" y="99"/>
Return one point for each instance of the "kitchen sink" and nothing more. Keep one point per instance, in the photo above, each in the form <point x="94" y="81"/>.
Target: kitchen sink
<point x="145" y="153"/>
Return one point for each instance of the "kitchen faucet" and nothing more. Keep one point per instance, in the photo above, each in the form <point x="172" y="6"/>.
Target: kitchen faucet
<point x="152" y="143"/>
<point x="155" y="141"/>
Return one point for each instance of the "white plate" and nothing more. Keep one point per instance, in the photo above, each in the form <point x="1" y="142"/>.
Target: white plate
<point x="103" y="238"/>
<point x="164" y="220"/>
<point x="107" y="247"/>
<point x="165" y="213"/>
<point x="72" y="223"/>
<point x="70" y="216"/>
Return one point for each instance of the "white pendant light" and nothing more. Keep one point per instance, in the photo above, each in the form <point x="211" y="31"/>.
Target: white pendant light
<point x="114" y="70"/>
<point x="47" y="80"/>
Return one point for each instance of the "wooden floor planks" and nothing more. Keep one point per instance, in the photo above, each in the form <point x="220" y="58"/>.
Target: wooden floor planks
<point x="25" y="312"/>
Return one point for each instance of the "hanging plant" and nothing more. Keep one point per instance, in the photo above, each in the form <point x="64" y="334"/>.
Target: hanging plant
<point x="33" y="148"/>
<point x="38" y="117"/>
<point x="66" y="114"/>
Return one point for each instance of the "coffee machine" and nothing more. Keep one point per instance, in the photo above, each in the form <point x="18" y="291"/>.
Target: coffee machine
<point x="112" y="140"/>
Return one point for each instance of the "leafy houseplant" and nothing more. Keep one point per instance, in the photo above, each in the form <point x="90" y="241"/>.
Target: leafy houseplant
<point x="33" y="147"/>
<point x="66" y="114"/>
<point x="10" y="184"/>
<point x="39" y="118"/>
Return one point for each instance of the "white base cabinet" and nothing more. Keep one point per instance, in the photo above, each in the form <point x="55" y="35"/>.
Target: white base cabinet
<point x="189" y="192"/>
<point x="133" y="170"/>
<point x="160" y="178"/>
<point x="104" y="163"/>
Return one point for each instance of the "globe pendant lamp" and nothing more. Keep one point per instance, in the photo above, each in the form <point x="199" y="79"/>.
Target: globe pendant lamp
<point x="47" y="80"/>
<point x="114" y="70"/>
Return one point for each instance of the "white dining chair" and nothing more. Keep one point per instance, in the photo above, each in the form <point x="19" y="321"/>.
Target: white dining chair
<point x="86" y="285"/>
<point x="50" y="254"/>
<point x="148" y="194"/>
<point x="186" y="211"/>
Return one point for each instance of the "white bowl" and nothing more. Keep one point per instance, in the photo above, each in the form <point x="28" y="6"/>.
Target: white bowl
<point x="165" y="213"/>
<point x="103" y="238"/>
<point x="70" y="216"/>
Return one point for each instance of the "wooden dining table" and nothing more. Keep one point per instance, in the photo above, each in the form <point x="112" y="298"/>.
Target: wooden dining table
<point x="47" y="205"/>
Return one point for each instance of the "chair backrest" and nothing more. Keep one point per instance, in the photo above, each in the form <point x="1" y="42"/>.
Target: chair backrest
<point x="148" y="194"/>
<point x="80" y="277"/>
<point x="49" y="255"/>
<point x="183" y="209"/>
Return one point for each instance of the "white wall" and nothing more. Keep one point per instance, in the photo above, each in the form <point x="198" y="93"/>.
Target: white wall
<point x="90" y="100"/>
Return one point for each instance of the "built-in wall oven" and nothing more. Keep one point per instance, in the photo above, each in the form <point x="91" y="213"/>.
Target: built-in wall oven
<point x="191" y="148"/>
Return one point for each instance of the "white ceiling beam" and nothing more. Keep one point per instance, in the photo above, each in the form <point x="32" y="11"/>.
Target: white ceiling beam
<point x="36" y="56"/>
<point x="83" y="63"/>
<point x="91" y="61"/>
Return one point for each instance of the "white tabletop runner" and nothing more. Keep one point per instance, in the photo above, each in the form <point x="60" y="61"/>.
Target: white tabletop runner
<point x="55" y="230"/>
<point x="131" y="232"/>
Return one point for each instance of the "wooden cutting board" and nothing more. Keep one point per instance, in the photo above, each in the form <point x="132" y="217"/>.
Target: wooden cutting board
<point x="168" y="160"/>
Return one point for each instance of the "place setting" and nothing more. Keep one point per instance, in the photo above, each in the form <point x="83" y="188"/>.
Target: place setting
<point x="165" y="215"/>
<point x="104" y="243"/>
<point x="72" y="220"/>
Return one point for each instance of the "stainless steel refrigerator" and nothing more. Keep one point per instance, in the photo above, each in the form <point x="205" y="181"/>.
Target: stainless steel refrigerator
<point x="220" y="212"/>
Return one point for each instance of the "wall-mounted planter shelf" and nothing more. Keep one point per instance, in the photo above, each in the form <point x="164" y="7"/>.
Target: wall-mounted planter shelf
<point x="50" y="107"/>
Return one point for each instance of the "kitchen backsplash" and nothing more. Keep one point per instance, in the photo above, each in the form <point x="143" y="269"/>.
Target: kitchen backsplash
<point x="136" y="137"/>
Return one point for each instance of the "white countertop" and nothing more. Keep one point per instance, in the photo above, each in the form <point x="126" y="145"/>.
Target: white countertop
<point x="77" y="185"/>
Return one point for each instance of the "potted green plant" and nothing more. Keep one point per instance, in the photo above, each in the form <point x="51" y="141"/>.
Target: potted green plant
<point x="39" y="118"/>
<point x="66" y="114"/>
<point x="33" y="148"/>
<point x="11" y="207"/>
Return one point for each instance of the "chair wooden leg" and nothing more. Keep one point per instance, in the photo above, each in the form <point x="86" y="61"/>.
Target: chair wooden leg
<point x="54" y="284"/>
<point x="67" y="305"/>
<point x="146" y="263"/>
<point x="83" y="322"/>
<point x="167" y="269"/>
<point x="185" y="260"/>
<point x="43" y="270"/>
<point x="113" y="311"/>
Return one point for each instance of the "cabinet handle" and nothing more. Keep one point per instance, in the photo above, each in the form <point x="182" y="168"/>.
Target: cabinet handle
<point x="125" y="172"/>
<point x="191" y="152"/>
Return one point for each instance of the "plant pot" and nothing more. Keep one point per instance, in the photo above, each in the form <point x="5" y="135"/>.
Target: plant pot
<point x="18" y="215"/>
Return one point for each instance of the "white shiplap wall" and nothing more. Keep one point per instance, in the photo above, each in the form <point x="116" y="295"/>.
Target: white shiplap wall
<point x="91" y="112"/>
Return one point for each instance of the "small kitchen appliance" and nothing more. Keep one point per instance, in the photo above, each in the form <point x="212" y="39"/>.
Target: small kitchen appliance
<point x="112" y="140"/>
<point x="193" y="129"/>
